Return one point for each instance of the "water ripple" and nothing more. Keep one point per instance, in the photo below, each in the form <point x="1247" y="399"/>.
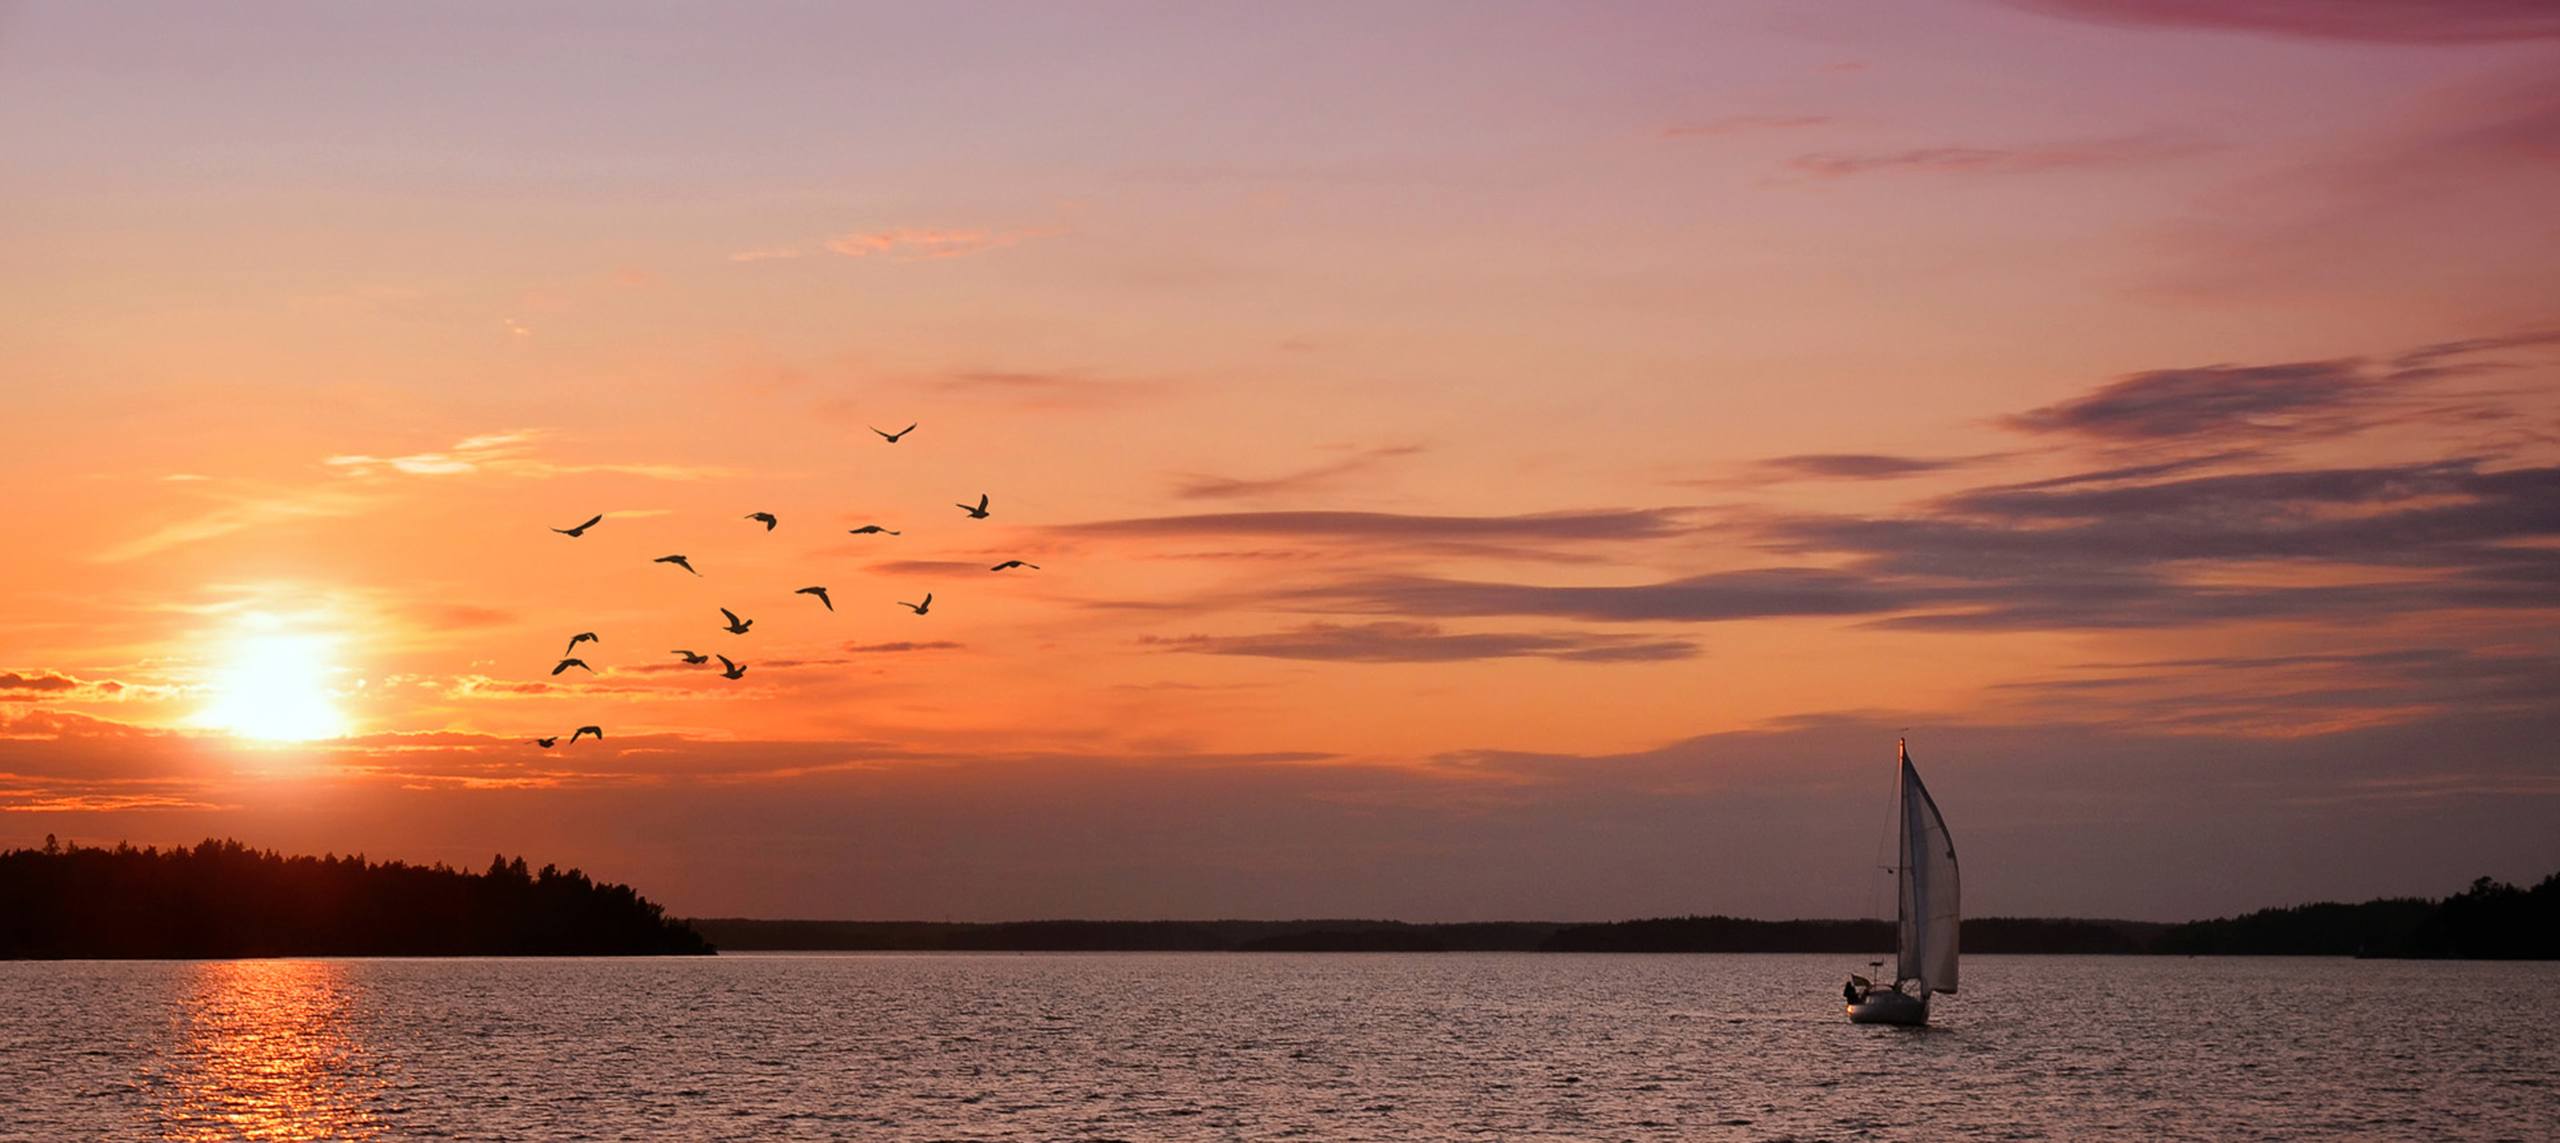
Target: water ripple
<point x="1321" y="1046"/>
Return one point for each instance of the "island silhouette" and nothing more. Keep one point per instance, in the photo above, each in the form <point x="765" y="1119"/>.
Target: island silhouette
<point x="224" y="899"/>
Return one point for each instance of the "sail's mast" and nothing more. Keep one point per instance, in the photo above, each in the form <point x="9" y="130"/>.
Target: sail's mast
<point x="1902" y="871"/>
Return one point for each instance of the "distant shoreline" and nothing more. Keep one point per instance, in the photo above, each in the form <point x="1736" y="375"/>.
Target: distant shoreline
<point x="1669" y="935"/>
<point x="2487" y="921"/>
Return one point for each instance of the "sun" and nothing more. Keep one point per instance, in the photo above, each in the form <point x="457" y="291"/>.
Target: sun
<point x="275" y="686"/>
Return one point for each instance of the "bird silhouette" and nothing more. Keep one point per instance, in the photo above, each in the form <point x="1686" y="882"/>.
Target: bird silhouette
<point x="919" y="608"/>
<point x="730" y="670"/>
<point x="1014" y="564"/>
<point x="868" y="530"/>
<point x="820" y="592"/>
<point x="693" y="660"/>
<point x="580" y="637"/>
<point x="580" y="530"/>
<point x="737" y="626"/>
<point x="583" y="731"/>
<point x="565" y="664"/>
<point x="977" y="513"/>
<point x="679" y="561"/>
<point x="892" y="438"/>
<point x="547" y="743"/>
<point x="767" y="517"/>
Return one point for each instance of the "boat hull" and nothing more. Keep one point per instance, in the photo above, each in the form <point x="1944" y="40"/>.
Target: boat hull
<point x="1885" y="1006"/>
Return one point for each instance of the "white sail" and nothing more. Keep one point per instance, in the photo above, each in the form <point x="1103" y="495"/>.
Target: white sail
<point x="1927" y="872"/>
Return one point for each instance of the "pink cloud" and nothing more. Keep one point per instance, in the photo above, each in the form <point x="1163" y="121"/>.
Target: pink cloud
<point x="909" y="245"/>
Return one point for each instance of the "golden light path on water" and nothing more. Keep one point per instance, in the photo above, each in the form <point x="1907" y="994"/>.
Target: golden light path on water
<point x="266" y="1051"/>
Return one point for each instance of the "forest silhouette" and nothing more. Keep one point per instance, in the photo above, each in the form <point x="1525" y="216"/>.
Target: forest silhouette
<point x="224" y="899"/>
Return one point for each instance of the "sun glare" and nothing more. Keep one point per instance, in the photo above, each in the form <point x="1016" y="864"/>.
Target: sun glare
<point x="275" y="686"/>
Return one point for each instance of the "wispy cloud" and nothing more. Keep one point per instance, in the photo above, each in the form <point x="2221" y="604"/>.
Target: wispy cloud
<point x="2024" y="159"/>
<point x="1760" y="593"/>
<point x="913" y="245"/>
<point x="1849" y="466"/>
<point x="38" y="685"/>
<point x="2371" y="203"/>
<point x="928" y="567"/>
<point x="1054" y="391"/>
<point x="899" y="647"/>
<point x="236" y="512"/>
<point x="1409" y="642"/>
<point x="507" y="453"/>
<point x="2298" y="397"/>
<point x="2297" y="694"/>
<point x="1599" y="524"/>
<point x="2231" y="533"/>
<point x="765" y="254"/>
<point x="1206" y="487"/>
<point x="2410" y="22"/>
<point x="2290" y="399"/>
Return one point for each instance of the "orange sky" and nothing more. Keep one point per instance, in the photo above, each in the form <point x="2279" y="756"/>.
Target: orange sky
<point x="1512" y="461"/>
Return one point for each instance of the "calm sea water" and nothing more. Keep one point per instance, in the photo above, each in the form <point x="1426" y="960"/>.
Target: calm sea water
<point x="1334" y="1047"/>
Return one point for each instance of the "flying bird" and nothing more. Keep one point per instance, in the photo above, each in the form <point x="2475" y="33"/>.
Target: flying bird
<point x="977" y="513"/>
<point x="580" y="530"/>
<point x="868" y="530"/>
<point x="737" y="626"/>
<point x="820" y="592"/>
<point x="892" y="438"/>
<point x="583" y="731"/>
<point x="693" y="660"/>
<point x="679" y="561"/>
<point x="919" y="608"/>
<point x="547" y="743"/>
<point x="767" y="517"/>
<point x="730" y="670"/>
<point x="1014" y="564"/>
<point x="565" y="664"/>
<point x="580" y="637"/>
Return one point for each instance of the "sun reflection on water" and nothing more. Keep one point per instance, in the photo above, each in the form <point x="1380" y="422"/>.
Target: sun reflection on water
<point x="266" y="1050"/>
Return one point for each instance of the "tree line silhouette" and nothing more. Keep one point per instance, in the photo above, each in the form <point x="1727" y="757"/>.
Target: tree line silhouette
<point x="224" y="899"/>
<point x="2489" y="920"/>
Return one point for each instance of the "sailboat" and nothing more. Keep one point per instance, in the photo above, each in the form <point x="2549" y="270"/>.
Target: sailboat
<point x="1925" y="932"/>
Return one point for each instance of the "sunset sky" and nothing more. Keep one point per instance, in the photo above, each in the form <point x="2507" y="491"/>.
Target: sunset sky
<point x="1485" y="461"/>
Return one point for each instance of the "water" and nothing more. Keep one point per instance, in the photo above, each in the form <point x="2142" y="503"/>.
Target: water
<point x="1333" y="1047"/>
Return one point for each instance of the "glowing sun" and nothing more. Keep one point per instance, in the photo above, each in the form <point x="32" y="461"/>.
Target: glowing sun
<point x="275" y="686"/>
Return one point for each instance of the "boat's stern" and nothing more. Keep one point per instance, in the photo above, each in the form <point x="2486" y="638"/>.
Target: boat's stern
<point x="1887" y="1006"/>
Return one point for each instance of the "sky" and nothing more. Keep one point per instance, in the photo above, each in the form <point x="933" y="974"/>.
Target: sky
<point x="1483" y="461"/>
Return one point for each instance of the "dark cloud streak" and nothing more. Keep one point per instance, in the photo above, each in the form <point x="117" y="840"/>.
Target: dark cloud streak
<point x="2024" y="159"/>
<point x="1589" y="525"/>
<point x="1208" y="487"/>
<point x="1408" y="642"/>
<point x="2408" y="22"/>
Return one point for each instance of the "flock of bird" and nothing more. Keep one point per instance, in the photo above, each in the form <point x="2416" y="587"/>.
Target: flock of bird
<point x="730" y="669"/>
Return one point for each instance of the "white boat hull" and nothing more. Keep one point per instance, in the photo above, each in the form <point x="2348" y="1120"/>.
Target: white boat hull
<point x="1885" y="1006"/>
